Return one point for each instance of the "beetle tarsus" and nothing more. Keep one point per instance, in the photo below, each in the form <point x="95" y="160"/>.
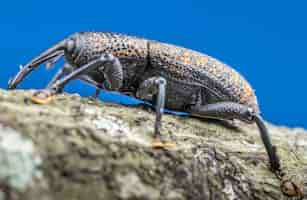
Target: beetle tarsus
<point x="43" y="96"/>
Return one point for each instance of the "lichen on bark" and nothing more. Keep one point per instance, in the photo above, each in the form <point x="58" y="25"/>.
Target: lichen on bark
<point x="93" y="150"/>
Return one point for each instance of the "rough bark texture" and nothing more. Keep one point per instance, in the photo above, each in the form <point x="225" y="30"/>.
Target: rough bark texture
<point x="78" y="148"/>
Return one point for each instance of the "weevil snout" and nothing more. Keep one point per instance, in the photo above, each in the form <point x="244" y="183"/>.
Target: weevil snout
<point x="49" y="57"/>
<point x="13" y="82"/>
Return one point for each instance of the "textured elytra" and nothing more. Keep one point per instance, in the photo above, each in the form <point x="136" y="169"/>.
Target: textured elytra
<point x="187" y="72"/>
<point x="203" y="69"/>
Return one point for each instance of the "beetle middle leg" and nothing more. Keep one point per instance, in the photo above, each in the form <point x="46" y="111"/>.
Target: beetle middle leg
<point x="154" y="89"/>
<point x="107" y="63"/>
<point x="65" y="70"/>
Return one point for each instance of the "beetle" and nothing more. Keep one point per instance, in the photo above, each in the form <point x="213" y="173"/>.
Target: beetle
<point x="164" y="74"/>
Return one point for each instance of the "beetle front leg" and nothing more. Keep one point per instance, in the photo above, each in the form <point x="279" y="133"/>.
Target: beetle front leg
<point x="67" y="69"/>
<point x="113" y="72"/>
<point x="44" y="97"/>
<point x="107" y="63"/>
<point x="154" y="89"/>
<point x="231" y="110"/>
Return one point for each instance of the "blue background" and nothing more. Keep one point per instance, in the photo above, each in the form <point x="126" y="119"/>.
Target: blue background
<point x="265" y="40"/>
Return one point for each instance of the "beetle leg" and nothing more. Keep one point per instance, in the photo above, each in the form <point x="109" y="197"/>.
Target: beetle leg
<point x="154" y="89"/>
<point x="109" y="65"/>
<point x="45" y="96"/>
<point x="113" y="72"/>
<point x="231" y="110"/>
<point x="66" y="69"/>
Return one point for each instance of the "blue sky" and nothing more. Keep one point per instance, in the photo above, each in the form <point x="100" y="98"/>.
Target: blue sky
<point x="265" y="40"/>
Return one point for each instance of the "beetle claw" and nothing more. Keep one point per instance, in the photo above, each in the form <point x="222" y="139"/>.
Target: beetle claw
<point x="43" y="96"/>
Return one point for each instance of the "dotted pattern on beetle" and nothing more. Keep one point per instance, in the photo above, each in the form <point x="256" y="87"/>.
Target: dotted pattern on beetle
<point x="121" y="46"/>
<point x="173" y="62"/>
<point x="190" y="65"/>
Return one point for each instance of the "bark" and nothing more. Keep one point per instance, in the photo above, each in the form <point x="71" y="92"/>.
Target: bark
<point x="78" y="148"/>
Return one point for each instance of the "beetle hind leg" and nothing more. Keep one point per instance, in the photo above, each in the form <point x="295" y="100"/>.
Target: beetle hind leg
<point x="231" y="110"/>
